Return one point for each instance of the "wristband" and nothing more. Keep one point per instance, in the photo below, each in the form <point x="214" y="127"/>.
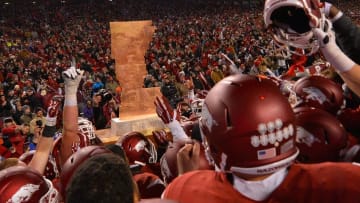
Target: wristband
<point x="49" y="131"/>
<point x="327" y="8"/>
<point x="177" y="131"/>
<point x="337" y="58"/>
<point x="70" y="100"/>
<point x="338" y="15"/>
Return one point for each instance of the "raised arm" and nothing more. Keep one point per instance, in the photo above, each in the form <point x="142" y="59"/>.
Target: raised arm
<point x="41" y="155"/>
<point x="346" y="67"/>
<point x="72" y="78"/>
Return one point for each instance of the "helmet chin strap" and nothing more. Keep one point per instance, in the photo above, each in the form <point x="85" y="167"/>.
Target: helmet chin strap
<point x="266" y="169"/>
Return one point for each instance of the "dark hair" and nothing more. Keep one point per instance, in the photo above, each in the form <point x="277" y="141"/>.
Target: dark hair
<point x="8" y="120"/>
<point x="116" y="149"/>
<point x="102" y="178"/>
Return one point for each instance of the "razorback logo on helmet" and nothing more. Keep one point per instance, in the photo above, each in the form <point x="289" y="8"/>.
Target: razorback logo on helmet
<point x="52" y="196"/>
<point x="206" y="118"/>
<point x="140" y="146"/>
<point x="315" y="94"/>
<point x="303" y="136"/>
<point x="24" y="193"/>
<point x="75" y="147"/>
<point x="272" y="133"/>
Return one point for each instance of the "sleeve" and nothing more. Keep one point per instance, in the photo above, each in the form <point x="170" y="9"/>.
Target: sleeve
<point x="348" y="37"/>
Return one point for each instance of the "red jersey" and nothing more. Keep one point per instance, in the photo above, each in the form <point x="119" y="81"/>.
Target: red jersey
<point x="324" y="182"/>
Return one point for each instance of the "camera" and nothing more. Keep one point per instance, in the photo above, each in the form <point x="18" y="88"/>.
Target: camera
<point x="39" y="123"/>
<point x="105" y="95"/>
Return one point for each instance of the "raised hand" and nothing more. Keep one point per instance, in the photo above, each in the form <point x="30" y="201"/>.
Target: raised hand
<point x="165" y="111"/>
<point x="72" y="77"/>
<point x="54" y="105"/>
<point x="160" y="137"/>
<point x="51" y="116"/>
<point x="170" y="117"/>
<point x="329" y="48"/>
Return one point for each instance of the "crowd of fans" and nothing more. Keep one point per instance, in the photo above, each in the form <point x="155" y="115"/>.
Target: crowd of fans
<point x="195" y="45"/>
<point x="39" y="40"/>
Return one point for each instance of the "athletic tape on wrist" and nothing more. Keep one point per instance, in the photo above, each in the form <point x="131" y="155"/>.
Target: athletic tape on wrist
<point x="177" y="131"/>
<point x="70" y="100"/>
<point x="337" y="58"/>
<point x="338" y="15"/>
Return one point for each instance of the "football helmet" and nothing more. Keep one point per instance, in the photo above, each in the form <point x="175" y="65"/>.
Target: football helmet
<point x="87" y="137"/>
<point x="196" y="106"/>
<point x="320" y="92"/>
<point x="168" y="161"/>
<point x="138" y="148"/>
<point x="75" y="160"/>
<point x="24" y="184"/>
<point x="86" y="128"/>
<point x="248" y="126"/>
<point x="51" y="170"/>
<point x="320" y="136"/>
<point x="291" y="23"/>
<point x="149" y="185"/>
<point x="350" y="118"/>
<point x="184" y="109"/>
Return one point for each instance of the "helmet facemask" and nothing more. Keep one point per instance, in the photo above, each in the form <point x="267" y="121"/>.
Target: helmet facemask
<point x="291" y="23"/>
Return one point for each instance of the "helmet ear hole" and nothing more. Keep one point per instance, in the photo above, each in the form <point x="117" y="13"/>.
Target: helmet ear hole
<point x="228" y="119"/>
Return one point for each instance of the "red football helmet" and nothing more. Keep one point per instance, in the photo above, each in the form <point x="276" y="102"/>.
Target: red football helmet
<point x="149" y="185"/>
<point x="196" y="106"/>
<point x="87" y="137"/>
<point x="138" y="148"/>
<point x="320" y="92"/>
<point x="168" y="161"/>
<point x="75" y="160"/>
<point x="320" y="136"/>
<point x="51" y="170"/>
<point x="248" y="126"/>
<point x="350" y="118"/>
<point x="291" y="23"/>
<point x="24" y="184"/>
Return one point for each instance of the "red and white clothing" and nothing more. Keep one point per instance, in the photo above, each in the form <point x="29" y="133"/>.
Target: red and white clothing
<point x="324" y="182"/>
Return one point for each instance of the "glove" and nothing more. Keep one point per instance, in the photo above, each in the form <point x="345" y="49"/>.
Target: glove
<point x="234" y="69"/>
<point x="72" y="77"/>
<point x="170" y="117"/>
<point x="331" y="51"/>
<point x="164" y="110"/>
<point x="331" y="12"/>
<point x="160" y="137"/>
<point x="51" y="116"/>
